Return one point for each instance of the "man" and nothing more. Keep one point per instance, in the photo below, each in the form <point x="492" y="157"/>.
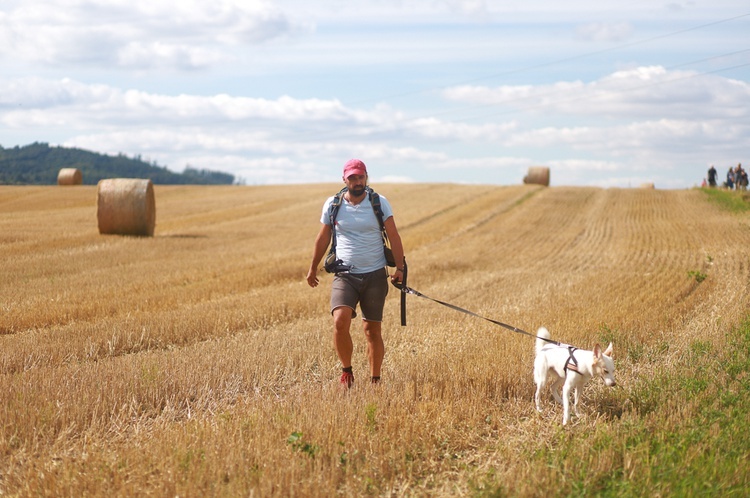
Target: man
<point x="712" y="176"/>
<point x="359" y="245"/>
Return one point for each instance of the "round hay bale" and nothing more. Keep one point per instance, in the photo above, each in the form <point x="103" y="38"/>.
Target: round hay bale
<point x="126" y="206"/>
<point x="648" y="185"/>
<point x="538" y="175"/>
<point x="69" y="176"/>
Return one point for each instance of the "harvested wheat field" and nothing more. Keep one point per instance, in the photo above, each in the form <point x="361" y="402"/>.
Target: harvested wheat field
<point x="198" y="362"/>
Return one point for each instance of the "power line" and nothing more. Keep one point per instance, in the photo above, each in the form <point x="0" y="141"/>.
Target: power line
<point x="538" y="95"/>
<point x="555" y="62"/>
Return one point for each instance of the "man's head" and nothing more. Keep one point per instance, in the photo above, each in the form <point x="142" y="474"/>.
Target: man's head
<point x="355" y="176"/>
<point x="354" y="167"/>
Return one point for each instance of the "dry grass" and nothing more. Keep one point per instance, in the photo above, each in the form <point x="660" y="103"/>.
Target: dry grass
<point x="198" y="362"/>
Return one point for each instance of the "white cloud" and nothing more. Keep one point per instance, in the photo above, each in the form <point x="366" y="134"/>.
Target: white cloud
<point x="639" y="139"/>
<point x="586" y="166"/>
<point x="436" y="129"/>
<point x="470" y="7"/>
<point x="599" y="31"/>
<point x="140" y="34"/>
<point x="154" y="55"/>
<point x="634" y="93"/>
<point x="261" y="171"/>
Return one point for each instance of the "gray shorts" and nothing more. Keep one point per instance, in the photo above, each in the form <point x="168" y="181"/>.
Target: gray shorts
<point x="367" y="289"/>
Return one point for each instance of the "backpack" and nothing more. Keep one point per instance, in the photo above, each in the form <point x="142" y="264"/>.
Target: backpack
<point x="335" y="265"/>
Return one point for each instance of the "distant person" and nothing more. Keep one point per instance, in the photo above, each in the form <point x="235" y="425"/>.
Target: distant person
<point x="712" y="176"/>
<point x="361" y="277"/>
<point x="740" y="177"/>
<point x="730" y="178"/>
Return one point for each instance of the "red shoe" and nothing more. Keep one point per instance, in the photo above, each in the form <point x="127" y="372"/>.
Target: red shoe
<point x="347" y="379"/>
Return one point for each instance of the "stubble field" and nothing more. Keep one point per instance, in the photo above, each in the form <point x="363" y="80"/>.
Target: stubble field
<point x="199" y="363"/>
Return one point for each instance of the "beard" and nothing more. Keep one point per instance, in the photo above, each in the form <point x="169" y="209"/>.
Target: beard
<point x="357" y="191"/>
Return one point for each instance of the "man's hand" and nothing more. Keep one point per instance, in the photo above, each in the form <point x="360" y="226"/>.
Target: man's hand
<point x="312" y="277"/>
<point x="397" y="277"/>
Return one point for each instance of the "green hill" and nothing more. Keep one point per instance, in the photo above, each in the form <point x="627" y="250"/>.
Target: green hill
<point x="39" y="164"/>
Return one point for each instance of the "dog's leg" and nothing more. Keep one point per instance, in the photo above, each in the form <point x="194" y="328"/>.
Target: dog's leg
<point x="566" y="400"/>
<point x="556" y="388"/>
<point x="538" y="395"/>
<point x="576" y="395"/>
<point x="540" y="378"/>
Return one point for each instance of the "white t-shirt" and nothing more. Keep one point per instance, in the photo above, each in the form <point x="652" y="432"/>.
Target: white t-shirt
<point x="358" y="240"/>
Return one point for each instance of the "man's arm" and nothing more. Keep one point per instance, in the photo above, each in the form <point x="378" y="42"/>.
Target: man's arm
<point x="395" y="239"/>
<point x="319" y="250"/>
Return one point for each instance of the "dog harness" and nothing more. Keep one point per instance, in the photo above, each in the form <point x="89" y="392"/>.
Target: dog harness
<point x="571" y="363"/>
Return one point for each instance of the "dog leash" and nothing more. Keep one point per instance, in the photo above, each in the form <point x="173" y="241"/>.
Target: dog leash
<point x="404" y="274"/>
<point x="408" y="290"/>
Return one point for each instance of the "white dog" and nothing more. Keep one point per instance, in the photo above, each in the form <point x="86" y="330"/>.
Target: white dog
<point x="571" y="369"/>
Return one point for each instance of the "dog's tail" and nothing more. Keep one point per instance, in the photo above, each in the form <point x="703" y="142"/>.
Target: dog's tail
<point x="543" y="333"/>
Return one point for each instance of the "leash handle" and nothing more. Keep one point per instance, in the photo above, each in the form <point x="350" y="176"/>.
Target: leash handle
<point x="403" y="294"/>
<point x="404" y="291"/>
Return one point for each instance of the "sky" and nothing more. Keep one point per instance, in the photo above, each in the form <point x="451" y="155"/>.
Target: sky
<point x="606" y="94"/>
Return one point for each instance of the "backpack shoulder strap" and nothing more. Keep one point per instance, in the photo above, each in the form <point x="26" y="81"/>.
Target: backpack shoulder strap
<point x="375" y="201"/>
<point x="333" y="209"/>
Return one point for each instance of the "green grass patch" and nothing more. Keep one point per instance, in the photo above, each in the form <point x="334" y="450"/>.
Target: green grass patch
<point x="297" y="442"/>
<point x="729" y="200"/>
<point x="698" y="275"/>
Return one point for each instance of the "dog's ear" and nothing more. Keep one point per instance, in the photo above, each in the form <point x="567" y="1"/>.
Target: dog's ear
<point x="609" y="351"/>
<point x="597" y="351"/>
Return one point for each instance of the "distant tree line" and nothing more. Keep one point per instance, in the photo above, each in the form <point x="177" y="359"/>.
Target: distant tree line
<point x="39" y="164"/>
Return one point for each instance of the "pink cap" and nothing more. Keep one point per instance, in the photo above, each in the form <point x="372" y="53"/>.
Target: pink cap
<point x="354" y="167"/>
